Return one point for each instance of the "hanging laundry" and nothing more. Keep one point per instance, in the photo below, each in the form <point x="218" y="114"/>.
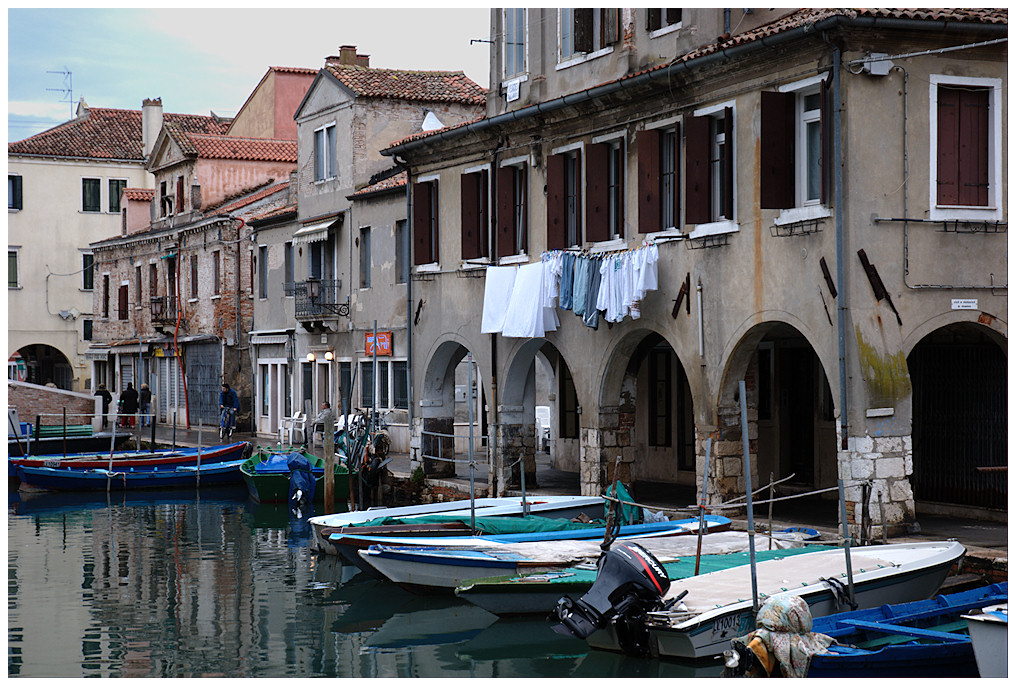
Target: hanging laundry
<point x="525" y="315"/>
<point x="592" y="315"/>
<point x="497" y="291"/>
<point x="581" y="285"/>
<point x="567" y="280"/>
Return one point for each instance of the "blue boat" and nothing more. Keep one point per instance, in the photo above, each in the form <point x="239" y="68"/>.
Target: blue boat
<point x="63" y="479"/>
<point x="131" y="459"/>
<point x="926" y="638"/>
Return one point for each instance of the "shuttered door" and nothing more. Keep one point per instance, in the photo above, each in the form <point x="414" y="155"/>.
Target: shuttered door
<point x="696" y="190"/>
<point x="474" y="202"/>
<point x="556" y="230"/>
<point x="959" y="424"/>
<point x="505" y="211"/>
<point x="204" y="371"/>
<point x="597" y="192"/>
<point x="423" y="249"/>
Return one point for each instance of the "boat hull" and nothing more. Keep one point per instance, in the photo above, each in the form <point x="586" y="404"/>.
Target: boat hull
<point x="990" y="645"/>
<point x="48" y="478"/>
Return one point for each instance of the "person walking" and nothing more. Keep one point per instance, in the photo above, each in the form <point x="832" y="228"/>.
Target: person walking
<point x="145" y="400"/>
<point x="129" y="404"/>
<point x="107" y="398"/>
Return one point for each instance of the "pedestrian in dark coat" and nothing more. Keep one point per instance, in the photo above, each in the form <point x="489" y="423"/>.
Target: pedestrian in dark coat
<point x="145" y="398"/>
<point x="106" y="400"/>
<point x="129" y="404"/>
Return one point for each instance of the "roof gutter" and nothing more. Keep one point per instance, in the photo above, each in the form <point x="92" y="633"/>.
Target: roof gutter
<point x="696" y="63"/>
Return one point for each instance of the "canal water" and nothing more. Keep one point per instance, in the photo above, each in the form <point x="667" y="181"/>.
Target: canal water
<point x="187" y="584"/>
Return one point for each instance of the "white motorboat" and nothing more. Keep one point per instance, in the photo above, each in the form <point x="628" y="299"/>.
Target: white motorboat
<point x="989" y="632"/>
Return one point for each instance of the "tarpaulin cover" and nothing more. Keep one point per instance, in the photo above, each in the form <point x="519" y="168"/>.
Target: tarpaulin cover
<point x="301" y="479"/>
<point x="492" y="525"/>
<point x="629" y="512"/>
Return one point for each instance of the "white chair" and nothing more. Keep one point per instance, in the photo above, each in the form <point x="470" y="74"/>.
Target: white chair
<point x="290" y="425"/>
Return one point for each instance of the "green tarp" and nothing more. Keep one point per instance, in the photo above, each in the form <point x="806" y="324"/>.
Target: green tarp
<point x="629" y="513"/>
<point x="492" y="525"/>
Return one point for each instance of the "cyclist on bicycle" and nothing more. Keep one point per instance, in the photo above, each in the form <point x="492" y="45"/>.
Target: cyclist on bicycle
<point x="229" y="403"/>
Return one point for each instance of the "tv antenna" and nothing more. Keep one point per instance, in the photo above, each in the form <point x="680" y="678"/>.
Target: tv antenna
<point x="68" y="89"/>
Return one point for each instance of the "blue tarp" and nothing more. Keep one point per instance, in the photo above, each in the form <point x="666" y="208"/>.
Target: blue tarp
<point x="301" y="480"/>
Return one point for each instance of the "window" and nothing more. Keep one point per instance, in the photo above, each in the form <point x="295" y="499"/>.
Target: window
<point x="383" y="391"/>
<point x="250" y="281"/>
<point x="194" y="276"/>
<point x="287" y="254"/>
<point x="661" y="382"/>
<point x="263" y="390"/>
<point x="564" y="220"/>
<point x="262" y="266"/>
<point x="179" y="195"/>
<point x="153" y="280"/>
<point x="216" y="272"/>
<point x="657" y="19"/>
<point x="165" y="201"/>
<point x="709" y="182"/>
<point x="14" y="201"/>
<point x="137" y="284"/>
<point x="365" y="257"/>
<point x="605" y="190"/>
<point x="122" y="303"/>
<point x="345" y="385"/>
<point x="794" y="145"/>
<point x="116" y="187"/>
<point x="659" y="179"/>
<point x="512" y="214"/>
<point x="425" y="222"/>
<point x="91" y="195"/>
<point x="586" y="30"/>
<point x="475" y="214"/>
<point x="401" y="250"/>
<point x="86" y="329"/>
<point x="13" y="273"/>
<point x="400" y="385"/>
<point x="966" y="150"/>
<point x="105" y="296"/>
<point x="87" y="271"/>
<point x="367" y="384"/>
<point x="324" y="153"/>
<point x="514" y="41"/>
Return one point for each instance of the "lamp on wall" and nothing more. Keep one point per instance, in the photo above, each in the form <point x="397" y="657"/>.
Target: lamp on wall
<point x="329" y="355"/>
<point x="314" y="294"/>
<point x="311" y="357"/>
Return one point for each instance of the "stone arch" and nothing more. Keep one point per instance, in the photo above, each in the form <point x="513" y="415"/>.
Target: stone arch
<point x="993" y="328"/>
<point x="46" y="364"/>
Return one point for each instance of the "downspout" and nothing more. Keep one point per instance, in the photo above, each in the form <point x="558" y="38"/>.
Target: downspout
<point x="408" y="257"/>
<point x="841" y="295"/>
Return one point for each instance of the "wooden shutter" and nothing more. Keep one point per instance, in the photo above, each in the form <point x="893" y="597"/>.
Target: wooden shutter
<point x="609" y="26"/>
<point x="649" y="180"/>
<point x="973" y="147"/>
<point x="422" y="249"/>
<point x="122" y="303"/>
<point x="179" y="195"/>
<point x="727" y="201"/>
<point x="826" y="133"/>
<point x="471" y="204"/>
<point x="582" y="29"/>
<point x="505" y="211"/>
<point x="777" y="175"/>
<point x="556" y="236"/>
<point x="16" y="202"/>
<point x="597" y="189"/>
<point x="654" y="19"/>
<point x="696" y="150"/>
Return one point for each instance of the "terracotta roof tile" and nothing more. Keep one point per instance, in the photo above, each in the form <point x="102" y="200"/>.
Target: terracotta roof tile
<point x="240" y="148"/>
<point x="233" y="205"/>
<point x="277" y="212"/>
<point x="110" y="134"/>
<point x="145" y="194"/>
<point x="433" y="86"/>
<point x="389" y="184"/>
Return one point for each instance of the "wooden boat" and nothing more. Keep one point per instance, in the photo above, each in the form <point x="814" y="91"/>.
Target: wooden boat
<point x="925" y="638"/>
<point x="989" y="634"/>
<point x="440" y="569"/>
<point x="528" y="594"/>
<point x="71" y="479"/>
<point x="267" y="475"/>
<point x="131" y="459"/>
<point x="718" y="605"/>
<point x="556" y="506"/>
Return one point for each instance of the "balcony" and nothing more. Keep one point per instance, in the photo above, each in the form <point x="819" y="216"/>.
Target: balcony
<point x="317" y="298"/>
<point x="163" y="308"/>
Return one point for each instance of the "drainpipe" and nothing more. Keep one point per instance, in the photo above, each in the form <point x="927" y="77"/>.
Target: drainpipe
<point x="841" y="296"/>
<point x="407" y="244"/>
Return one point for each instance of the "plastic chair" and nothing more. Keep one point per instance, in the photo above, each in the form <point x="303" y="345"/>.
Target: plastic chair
<point x="290" y="425"/>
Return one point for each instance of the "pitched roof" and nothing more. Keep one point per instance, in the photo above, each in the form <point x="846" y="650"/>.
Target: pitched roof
<point x="433" y="86"/>
<point x="109" y="134"/>
<point x="385" y="185"/>
<point x="241" y="148"/>
<point x="240" y="203"/>
<point x="145" y="194"/>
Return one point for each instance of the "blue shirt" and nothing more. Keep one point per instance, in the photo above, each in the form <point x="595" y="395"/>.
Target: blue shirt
<point x="229" y="399"/>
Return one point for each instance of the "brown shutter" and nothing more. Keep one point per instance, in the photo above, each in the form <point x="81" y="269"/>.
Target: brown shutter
<point x="122" y="297"/>
<point x="654" y="19"/>
<point x="505" y="212"/>
<point x="696" y="150"/>
<point x="677" y="175"/>
<point x="777" y="175"/>
<point x="727" y="201"/>
<point x="556" y="238"/>
<point x="597" y="219"/>
<point x="582" y="29"/>
<point x="948" y="146"/>
<point x="471" y="202"/>
<point x="649" y="180"/>
<point x="609" y="26"/>
<point x="179" y="195"/>
<point x="421" y="223"/>
<point x="973" y="147"/>
<point x="826" y="134"/>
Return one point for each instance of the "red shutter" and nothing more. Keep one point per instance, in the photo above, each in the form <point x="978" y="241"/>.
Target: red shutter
<point x="122" y="295"/>
<point x="471" y="203"/>
<point x="597" y="182"/>
<point x="582" y="29"/>
<point x="649" y="180"/>
<point x="505" y="212"/>
<point x="696" y="150"/>
<point x="948" y="146"/>
<point x="422" y="248"/>
<point x="973" y="147"/>
<point x="777" y="174"/>
<point x="179" y="195"/>
<point x="727" y="201"/>
<point x="556" y="238"/>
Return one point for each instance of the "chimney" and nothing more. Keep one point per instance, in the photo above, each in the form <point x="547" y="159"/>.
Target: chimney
<point x="347" y="55"/>
<point x="151" y="123"/>
<point x="363" y="61"/>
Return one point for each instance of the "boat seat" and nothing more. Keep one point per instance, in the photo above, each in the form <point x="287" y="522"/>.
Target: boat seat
<point x="290" y="425"/>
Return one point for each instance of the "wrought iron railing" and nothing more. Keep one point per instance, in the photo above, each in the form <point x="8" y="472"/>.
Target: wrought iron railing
<point x="163" y="308"/>
<point x="326" y="304"/>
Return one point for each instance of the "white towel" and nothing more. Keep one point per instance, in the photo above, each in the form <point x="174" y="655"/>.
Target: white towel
<point x="497" y="292"/>
<point x="524" y="318"/>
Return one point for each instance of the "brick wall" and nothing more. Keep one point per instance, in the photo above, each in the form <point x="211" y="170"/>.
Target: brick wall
<point x="31" y="400"/>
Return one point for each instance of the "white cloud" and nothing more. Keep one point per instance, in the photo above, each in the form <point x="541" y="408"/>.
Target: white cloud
<point x="55" y="111"/>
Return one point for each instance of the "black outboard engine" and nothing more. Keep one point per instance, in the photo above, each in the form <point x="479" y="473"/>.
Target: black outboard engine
<point x="630" y="582"/>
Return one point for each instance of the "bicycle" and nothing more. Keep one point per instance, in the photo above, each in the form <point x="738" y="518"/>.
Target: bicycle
<point x="227" y="422"/>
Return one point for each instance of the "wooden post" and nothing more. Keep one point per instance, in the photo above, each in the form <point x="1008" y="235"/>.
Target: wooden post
<point x="329" y="438"/>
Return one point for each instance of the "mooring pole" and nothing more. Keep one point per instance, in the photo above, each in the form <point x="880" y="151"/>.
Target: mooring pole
<point x="702" y="506"/>
<point x="846" y="541"/>
<point x="329" y="448"/>
<point x="747" y="488"/>
<point x="472" y="466"/>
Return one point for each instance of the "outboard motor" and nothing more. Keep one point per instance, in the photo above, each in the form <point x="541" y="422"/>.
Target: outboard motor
<point x="630" y="582"/>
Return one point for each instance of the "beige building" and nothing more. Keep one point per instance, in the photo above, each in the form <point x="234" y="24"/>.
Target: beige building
<point x="821" y="198"/>
<point x="64" y="190"/>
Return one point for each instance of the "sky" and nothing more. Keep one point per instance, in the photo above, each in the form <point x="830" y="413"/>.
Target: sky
<point x="209" y="60"/>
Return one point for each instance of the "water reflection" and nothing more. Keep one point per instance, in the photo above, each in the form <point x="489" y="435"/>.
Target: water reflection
<point x="172" y="585"/>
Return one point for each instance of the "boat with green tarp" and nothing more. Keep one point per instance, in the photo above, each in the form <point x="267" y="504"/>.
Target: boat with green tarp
<point x="269" y="474"/>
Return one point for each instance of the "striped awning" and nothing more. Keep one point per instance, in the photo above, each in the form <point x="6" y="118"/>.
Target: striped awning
<point x="315" y="232"/>
<point x="275" y="339"/>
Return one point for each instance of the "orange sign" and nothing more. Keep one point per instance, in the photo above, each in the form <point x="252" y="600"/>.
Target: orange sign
<point x="384" y="343"/>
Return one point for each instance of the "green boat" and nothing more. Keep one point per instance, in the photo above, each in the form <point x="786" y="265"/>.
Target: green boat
<point x="268" y="471"/>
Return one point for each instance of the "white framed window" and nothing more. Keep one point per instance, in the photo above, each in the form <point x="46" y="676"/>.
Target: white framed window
<point x="585" y="33"/>
<point x="391" y="386"/>
<point x="116" y="187"/>
<point x="514" y="41"/>
<point x="91" y="195"/>
<point x="966" y="178"/>
<point x="513" y="211"/>
<point x="663" y="21"/>
<point x="365" y="258"/>
<point x="710" y="171"/>
<point x="14" y="195"/>
<point x="13" y="266"/>
<point x="87" y="271"/>
<point x="324" y="153"/>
